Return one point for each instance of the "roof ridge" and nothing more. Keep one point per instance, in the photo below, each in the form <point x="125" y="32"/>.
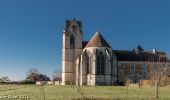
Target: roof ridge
<point x="98" y="34"/>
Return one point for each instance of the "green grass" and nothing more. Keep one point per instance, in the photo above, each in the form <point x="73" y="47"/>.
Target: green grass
<point x="72" y="92"/>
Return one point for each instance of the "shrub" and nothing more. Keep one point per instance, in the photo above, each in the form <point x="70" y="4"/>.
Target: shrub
<point x="123" y="83"/>
<point x="26" y="82"/>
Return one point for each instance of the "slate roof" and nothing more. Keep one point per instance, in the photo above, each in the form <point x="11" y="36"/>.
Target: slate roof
<point x="123" y="55"/>
<point x="97" y="41"/>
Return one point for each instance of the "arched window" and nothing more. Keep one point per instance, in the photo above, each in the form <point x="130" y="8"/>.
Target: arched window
<point x="74" y="27"/>
<point x="100" y="63"/>
<point x="87" y="63"/>
<point x="72" y="42"/>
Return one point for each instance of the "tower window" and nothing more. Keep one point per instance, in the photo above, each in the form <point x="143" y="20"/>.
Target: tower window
<point x="72" y="39"/>
<point x="72" y="42"/>
<point x="100" y="63"/>
<point x="74" y="28"/>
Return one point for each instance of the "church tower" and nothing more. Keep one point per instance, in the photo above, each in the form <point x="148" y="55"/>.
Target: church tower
<point x="71" y="49"/>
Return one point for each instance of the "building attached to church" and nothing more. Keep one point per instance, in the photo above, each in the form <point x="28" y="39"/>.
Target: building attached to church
<point x="94" y="62"/>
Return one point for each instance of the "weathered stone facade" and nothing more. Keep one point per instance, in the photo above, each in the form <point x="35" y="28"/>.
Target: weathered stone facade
<point x="72" y="48"/>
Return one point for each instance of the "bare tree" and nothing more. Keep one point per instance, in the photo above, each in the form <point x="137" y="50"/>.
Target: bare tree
<point x="34" y="75"/>
<point x="32" y="70"/>
<point x="127" y="85"/>
<point x="158" y="70"/>
<point x="4" y="79"/>
<point x="56" y="75"/>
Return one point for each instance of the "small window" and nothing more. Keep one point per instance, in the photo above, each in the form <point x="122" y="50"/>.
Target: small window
<point x="154" y="66"/>
<point x="163" y="65"/>
<point x="132" y="67"/>
<point x="144" y="67"/>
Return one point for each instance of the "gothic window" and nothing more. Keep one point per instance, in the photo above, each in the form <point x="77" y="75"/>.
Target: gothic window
<point x="74" y="28"/>
<point x="87" y="63"/>
<point x="72" y="42"/>
<point x="100" y="63"/>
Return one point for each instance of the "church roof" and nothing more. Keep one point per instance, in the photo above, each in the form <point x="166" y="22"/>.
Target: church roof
<point x="123" y="55"/>
<point x="98" y="41"/>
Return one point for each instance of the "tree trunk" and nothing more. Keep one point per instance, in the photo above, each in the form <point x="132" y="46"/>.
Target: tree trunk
<point x="127" y="89"/>
<point x="157" y="91"/>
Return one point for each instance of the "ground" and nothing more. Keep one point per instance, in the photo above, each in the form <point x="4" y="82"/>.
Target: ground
<point x="51" y="92"/>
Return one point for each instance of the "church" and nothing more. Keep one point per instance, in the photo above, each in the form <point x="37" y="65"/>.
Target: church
<point x="94" y="62"/>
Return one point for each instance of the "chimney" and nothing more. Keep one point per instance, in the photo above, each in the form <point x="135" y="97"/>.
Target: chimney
<point x="154" y="51"/>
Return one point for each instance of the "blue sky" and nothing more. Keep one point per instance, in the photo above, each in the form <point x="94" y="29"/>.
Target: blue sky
<point x="31" y="30"/>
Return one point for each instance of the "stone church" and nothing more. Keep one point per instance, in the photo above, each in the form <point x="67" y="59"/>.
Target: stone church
<point x="94" y="62"/>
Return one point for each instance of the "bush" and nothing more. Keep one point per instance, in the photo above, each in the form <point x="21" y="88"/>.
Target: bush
<point x="3" y="83"/>
<point x="37" y="77"/>
<point x="115" y="84"/>
<point x="123" y="83"/>
<point x="26" y="82"/>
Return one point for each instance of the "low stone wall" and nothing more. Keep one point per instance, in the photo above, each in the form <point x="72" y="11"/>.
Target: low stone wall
<point x="50" y="82"/>
<point x="40" y="82"/>
<point x="145" y="83"/>
<point x="134" y="85"/>
<point x="57" y="82"/>
<point x="163" y="82"/>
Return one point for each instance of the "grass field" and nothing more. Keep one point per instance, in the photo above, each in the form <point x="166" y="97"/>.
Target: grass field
<point x="51" y="92"/>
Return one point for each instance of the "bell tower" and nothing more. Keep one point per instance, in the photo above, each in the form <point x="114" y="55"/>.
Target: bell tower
<point x="71" y="49"/>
